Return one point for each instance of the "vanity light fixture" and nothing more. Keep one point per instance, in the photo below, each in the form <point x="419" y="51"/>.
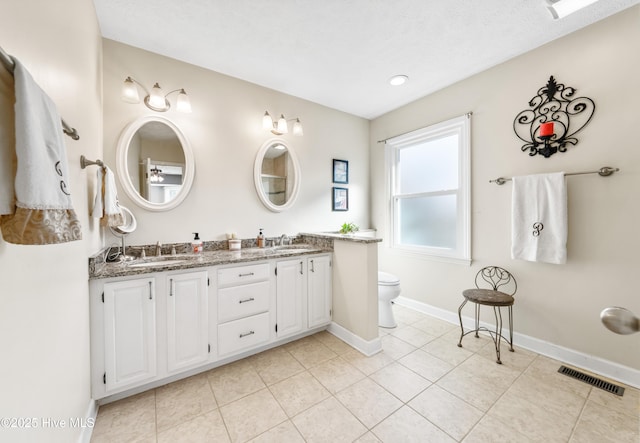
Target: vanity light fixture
<point x="561" y="8"/>
<point x="156" y="100"/>
<point x="281" y="127"/>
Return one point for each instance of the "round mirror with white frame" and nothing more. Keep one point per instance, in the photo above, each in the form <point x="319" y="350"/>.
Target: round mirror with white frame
<point x="276" y="175"/>
<point x="155" y="163"/>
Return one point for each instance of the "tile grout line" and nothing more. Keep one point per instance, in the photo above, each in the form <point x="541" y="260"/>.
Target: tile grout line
<point x="278" y="401"/>
<point x="584" y="406"/>
<point x="218" y="406"/>
<point x="485" y="414"/>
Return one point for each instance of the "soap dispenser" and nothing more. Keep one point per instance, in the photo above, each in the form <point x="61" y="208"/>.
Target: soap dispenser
<point x="260" y="239"/>
<point x="196" y="244"/>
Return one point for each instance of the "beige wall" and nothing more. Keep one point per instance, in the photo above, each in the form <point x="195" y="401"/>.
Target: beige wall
<point x="555" y="303"/>
<point x="225" y="131"/>
<point x="44" y="313"/>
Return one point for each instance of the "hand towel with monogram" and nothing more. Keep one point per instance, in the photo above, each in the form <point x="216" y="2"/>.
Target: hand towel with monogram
<point x="539" y="218"/>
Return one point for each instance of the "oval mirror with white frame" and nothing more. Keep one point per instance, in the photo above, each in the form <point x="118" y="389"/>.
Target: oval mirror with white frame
<point x="155" y="163"/>
<point x="276" y="175"/>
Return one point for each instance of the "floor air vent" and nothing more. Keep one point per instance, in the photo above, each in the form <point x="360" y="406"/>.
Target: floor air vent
<point x="609" y="387"/>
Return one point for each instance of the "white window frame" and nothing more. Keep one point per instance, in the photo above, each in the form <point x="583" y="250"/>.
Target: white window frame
<point x="460" y="126"/>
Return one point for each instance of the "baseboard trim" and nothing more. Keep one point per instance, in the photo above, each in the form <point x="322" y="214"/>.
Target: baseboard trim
<point x="368" y="348"/>
<point x="90" y="421"/>
<point x="597" y="365"/>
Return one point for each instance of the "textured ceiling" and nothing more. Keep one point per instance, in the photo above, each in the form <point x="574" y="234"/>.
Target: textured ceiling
<point x="341" y="53"/>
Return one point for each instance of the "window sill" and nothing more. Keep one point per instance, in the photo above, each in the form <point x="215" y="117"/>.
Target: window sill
<point x="408" y="253"/>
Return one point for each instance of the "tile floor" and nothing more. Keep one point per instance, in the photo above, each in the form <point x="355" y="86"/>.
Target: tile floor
<point x="421" y="388"/>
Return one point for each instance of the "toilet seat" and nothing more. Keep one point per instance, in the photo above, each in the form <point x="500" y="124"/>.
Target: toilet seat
<point x="386" y="279"/>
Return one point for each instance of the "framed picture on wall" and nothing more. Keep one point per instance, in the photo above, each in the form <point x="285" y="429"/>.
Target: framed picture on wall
<point x="340" y="200"/>
<point x="340" y="171"/>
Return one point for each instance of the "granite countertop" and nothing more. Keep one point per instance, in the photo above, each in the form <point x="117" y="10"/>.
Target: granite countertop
<point x="216" y="253"/>
<point x="203" y="259"/>
<point x="357" y="238"/>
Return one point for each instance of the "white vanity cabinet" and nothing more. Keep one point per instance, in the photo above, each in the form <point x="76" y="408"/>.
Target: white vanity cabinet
<point x="129" y="333"/>
<point x="165" y="325"/>
<point x="319" y="290"/>
<point x="244" y="300"/>
<point x="187" y="320"/>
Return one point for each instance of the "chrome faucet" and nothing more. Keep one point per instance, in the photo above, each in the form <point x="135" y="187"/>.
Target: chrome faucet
<point x="158" y="249"/>
<point x="283" y="238"/>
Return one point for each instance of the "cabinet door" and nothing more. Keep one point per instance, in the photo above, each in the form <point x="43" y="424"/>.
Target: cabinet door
<point x="290" y="292"/>
<point x="187" y="320"/>
<point x="130" y="332"/>
<point x="319" y="290"/>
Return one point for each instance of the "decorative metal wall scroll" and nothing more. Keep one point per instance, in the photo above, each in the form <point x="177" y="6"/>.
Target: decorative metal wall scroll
<point x="553" y="120"/>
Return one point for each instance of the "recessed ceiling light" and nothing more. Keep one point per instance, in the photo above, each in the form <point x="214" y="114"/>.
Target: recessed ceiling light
<point x="398" y="80"/>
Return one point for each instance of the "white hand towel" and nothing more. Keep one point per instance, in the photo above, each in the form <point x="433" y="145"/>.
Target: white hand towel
<point x="44" y="212"/>
<point x="539" y="218"/>
<point x="106" y="206"/>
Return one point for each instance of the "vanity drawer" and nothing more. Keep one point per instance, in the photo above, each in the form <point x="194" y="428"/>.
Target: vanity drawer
<point x="243" y="274"/>
<point x="242" y="301"/>
<point x="238" y="335"/>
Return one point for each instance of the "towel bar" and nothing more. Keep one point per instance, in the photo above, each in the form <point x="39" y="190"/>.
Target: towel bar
<point x="605" y="171"/>
<point x="84" y="162"/>
<point x="9" y="65"/>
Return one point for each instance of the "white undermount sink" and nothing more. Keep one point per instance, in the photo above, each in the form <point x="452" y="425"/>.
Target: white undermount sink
<point x="158" y="262"/>
<point x="293" y="248"/>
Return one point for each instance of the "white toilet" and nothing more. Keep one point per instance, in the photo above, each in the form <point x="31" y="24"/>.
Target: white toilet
<point x="388" y="290"/>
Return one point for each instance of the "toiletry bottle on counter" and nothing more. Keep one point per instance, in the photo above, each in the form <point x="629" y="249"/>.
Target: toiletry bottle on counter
<point x="196" y="244"/>
<point x="260" y="239"/>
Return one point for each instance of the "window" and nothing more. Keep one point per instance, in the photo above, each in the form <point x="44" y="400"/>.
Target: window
<point x="429" y="184"/>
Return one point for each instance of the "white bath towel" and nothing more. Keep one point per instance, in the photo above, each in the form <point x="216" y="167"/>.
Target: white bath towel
<point x="7" y="144"/>
<point x="105" y="205"/>
<point x="539" y="218"/>
<point x="44" y="213"/>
